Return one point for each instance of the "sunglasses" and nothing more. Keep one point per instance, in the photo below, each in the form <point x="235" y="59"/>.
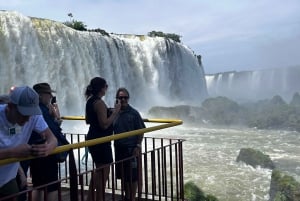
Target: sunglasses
<point x="122" y="97"/>
<point x="49" y="93"/>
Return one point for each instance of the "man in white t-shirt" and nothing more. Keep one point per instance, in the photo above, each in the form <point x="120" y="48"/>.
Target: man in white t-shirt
<point x="18" y="118"/>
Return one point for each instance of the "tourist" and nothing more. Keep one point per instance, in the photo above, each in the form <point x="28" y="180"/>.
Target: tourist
<point x="128" y="171"/>
<point x="45" y="170"/>
<point x="18" y="118"/>
<point x="100" y="121"/>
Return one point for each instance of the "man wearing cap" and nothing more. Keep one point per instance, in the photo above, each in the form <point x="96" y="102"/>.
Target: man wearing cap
<point x="18" y="118"/>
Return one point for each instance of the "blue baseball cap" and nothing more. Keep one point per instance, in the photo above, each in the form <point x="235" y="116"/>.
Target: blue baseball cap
<point x="26" y="99"/>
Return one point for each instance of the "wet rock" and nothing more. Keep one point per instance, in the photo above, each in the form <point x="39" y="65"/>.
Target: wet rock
<point x="255" y="158"/>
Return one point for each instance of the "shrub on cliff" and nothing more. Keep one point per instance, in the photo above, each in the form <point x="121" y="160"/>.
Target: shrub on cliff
<point x="77" y="25"/>
<point x="172" y="36"/>
<point x="295" y="100"/>
<point x="193" y="193"/>
<point x="222" y="111"/>
<point x="283" y="187"/>
<point x="274" y="114"/>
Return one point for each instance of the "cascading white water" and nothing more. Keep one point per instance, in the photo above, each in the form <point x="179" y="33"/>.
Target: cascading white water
<point x="155" y="70"/>
<point x="255" y="85"/>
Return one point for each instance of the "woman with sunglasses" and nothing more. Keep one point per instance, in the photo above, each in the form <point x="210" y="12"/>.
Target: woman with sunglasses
<point x="100" y="120"/>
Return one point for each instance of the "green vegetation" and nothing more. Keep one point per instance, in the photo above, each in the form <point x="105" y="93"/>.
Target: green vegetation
<point x="77" y="25"/>
<point x="193" y="193"/>
<point x="221" y="111"/>
<point x="103" y="32"/>
<point x="275" y="114"/>
<point x="80" y="26"/>
<point x="265" y="114"/>
<point x="283" y="187"/>
<point x="174" y="37"/>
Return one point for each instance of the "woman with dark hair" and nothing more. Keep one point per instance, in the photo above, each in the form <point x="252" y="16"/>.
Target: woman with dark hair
<point x="100" y="120"/>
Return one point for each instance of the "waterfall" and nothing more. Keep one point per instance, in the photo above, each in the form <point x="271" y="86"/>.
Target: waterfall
<point x="255" y="85"/>
<point x="156" y="71"/>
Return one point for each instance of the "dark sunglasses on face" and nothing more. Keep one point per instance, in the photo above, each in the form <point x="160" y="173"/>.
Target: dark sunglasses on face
<point x="49" y="93"/>
<point x="122" y="97"/>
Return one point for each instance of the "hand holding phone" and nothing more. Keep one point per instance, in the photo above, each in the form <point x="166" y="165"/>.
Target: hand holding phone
<point x="36" y="147"/>
<point x="40" y="141"/>
<point x="53" y="100"/>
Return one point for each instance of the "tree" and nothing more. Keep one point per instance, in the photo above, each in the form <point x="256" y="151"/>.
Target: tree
<point x="77" y="25"/>
<point x="70" y="15"/>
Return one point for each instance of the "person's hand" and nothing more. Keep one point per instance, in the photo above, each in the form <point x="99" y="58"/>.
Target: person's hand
<point x="117" y="106"/>
<point x="22" y="150"/>
<point x="41" y="150"/>
<point x="137" y="151"/>
<point x="53" y="110"/>
<point x="23" y="179"/>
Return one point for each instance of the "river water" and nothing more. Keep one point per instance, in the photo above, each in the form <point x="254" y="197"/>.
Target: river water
<point x="210" y="159"/>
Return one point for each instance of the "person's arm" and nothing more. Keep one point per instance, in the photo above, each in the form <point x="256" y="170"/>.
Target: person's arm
<point x="50" y="139"/>
<point x="140" y="125"/>
<point x="101" y="111"/>
<point x="23" y="179"/>
<point x="46" y="148"/>
<point x="22" y="150"/>
<point x="54" y="111"/>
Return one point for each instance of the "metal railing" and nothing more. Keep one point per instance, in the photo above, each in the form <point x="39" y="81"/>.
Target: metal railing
<point x="162" y="163"/>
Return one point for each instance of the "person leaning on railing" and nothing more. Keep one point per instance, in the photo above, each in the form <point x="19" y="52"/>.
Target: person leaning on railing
<point x="128" y="119"/>
<point x="18" y="118"/>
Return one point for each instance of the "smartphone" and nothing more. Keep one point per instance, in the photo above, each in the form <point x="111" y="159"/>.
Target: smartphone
<point x="53" y="100"/>
<point x="40" y="141"/>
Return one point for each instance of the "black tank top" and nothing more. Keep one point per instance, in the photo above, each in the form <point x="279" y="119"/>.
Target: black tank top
<point x="95" y="131"/>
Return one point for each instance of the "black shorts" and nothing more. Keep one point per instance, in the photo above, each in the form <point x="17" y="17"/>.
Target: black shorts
<point x="101" y="153"/>
<point x="129" y="167"/>
<point x="45" y="170"/>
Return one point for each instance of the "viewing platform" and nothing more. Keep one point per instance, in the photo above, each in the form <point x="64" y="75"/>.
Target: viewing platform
<point x="161" y="174"/>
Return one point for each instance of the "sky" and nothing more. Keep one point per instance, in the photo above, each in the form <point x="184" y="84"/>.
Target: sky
<point x="230" y="35"/>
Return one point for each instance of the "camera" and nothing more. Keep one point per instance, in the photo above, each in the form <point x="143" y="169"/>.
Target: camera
<point x="53" y="100"/>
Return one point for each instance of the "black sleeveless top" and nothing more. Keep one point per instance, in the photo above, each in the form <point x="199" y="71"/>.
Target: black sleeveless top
<point x="95" y="131"/>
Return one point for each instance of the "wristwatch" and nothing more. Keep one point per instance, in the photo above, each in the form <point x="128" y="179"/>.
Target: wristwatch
<point x="138" y="145"/>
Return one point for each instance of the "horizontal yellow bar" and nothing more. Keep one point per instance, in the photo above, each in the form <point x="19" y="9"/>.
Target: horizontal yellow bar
<point x="169" y="123"/>
<point x="145" y="120"/>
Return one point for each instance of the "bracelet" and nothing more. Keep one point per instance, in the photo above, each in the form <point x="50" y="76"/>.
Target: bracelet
<point x="138" y="145"/>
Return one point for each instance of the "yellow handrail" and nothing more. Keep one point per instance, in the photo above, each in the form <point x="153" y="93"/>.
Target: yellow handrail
<point x="169" y="123"/>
